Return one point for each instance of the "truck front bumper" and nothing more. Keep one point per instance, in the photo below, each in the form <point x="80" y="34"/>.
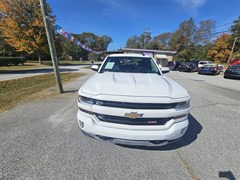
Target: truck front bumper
<point x="151" y="135"/>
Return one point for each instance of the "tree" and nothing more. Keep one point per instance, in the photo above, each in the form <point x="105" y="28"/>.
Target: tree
<point x="106" y="40"/>
<point x="221" y="50"/>
<point x="22" y="26"/>
<point x="95" y="42"/>
<point x="163" y="40"/>
<point x="179" y="43"/>
<point x="5" y="49"/>
<point x="200" y="51"/>
<point x="71" y="51"/>
<point x="202" y="34"/>
<point x="188" y="29"/>
<point x="235" y="29"/>
<point x="139" y="42"/>
<point x="133" y="42"/>
<point x="153" y="45"/>
<point x="191" y="41"/>
<point x="189" y="37"/>
<point x="183" y="37"/>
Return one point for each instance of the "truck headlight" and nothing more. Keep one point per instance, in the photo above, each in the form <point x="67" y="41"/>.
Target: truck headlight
<point x="86" y="100"/>
<point x="183" y="105"/>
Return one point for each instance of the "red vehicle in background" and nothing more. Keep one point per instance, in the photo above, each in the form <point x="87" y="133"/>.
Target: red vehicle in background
<point x="233" y="62"/>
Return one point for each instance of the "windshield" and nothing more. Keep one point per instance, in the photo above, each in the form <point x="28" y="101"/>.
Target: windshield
<point x="130" y="65"/>
<point x="235" y="66"/>
<point x="210" y="62"/>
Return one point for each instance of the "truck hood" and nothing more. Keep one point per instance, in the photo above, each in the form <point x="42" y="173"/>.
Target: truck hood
<point x="133" y="84"/>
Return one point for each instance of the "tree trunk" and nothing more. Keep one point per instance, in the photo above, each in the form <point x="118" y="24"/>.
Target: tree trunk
<point x="39" y="58"/>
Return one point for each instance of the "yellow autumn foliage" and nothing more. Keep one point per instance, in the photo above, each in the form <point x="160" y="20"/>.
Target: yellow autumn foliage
<point x="22" y="25"/>
<point x="221" y="50"/>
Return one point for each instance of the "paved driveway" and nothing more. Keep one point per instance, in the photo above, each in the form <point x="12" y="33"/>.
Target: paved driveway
<point x="42" y="140"/>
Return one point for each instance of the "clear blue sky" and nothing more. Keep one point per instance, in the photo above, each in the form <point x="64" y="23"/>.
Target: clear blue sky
<point x="121" y="19"/>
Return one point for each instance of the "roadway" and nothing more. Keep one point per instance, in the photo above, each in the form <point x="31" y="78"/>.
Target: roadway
<point x="42" y="140"/>
<point x="15" y="74"/>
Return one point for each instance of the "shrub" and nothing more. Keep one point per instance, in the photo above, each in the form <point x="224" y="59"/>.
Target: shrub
<point x="5" y="61"/>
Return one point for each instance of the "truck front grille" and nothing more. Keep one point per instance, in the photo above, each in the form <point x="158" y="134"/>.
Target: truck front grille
<point x="130" y="121"/>
<point x="128" y="105"/>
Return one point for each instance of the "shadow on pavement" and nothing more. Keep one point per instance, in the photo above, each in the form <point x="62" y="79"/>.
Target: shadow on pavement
<point x="65" y="65"/>
<point x="71" y="91"/>
<point x="227" y="175"/>
<point x="232" y="78"/>
<point x="190" y="136"/>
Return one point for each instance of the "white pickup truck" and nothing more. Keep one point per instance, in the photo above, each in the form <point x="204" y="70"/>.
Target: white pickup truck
<point x="129" y="101"/>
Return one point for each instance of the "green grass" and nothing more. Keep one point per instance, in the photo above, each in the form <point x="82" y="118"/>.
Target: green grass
<point x="69" y="62"/>
<point x="13" y="92"/>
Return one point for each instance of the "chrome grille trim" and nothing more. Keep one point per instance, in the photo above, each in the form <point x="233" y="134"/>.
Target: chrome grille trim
<point x="129" y="105"/>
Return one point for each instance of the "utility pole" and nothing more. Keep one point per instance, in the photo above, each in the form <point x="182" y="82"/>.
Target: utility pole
<point x="146" y="32"/>
<point x="230" y="57"/>
<point x="51" y="45"/>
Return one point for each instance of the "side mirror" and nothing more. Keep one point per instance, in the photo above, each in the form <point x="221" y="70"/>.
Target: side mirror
<point x="165" y="70"/>
<point x="95" y="67"/>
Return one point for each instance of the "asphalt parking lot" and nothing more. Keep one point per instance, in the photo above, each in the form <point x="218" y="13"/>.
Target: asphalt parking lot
<point x="42" y="140"/>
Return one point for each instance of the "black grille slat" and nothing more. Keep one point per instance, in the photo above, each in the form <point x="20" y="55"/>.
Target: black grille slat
<point x="128" y="105"/>
<point x="129" y="121"/>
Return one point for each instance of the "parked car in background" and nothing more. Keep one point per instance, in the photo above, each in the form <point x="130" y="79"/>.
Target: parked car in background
<point x="211" y="69"/>
<point x="196" y="62"/>
<point x="174" y="65"/>
<point x="236" y="61"/>
<point x="232" y="71"/>
<point x="221" y="67"/>
<point x="188" y="67"/>
<point x="202" y="63"/>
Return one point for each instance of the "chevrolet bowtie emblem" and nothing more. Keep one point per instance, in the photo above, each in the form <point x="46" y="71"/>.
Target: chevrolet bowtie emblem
<point x="133" y="115"/>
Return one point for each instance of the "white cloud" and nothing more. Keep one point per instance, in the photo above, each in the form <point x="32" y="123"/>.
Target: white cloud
<point x="191" y="5"/>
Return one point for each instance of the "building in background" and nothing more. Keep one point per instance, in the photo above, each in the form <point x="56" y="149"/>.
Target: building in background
<point x="161" y="57"/>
